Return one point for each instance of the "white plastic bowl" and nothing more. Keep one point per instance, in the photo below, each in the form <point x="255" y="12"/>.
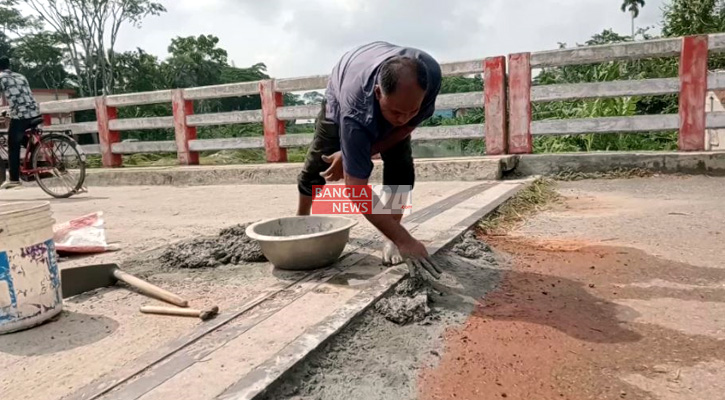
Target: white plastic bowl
<point x="302" y="243"/>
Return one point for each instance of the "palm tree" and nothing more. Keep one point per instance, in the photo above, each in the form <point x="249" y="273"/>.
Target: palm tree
<point x="633" y="6"/>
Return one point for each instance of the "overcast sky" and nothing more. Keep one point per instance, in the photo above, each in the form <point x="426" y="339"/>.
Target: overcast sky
<point x="306" y="37"/>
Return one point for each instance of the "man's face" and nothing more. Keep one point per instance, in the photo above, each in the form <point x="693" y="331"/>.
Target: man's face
<point x="400" y="107"/>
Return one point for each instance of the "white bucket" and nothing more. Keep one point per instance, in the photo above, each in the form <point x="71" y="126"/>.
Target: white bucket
<point x="30" y="291"/>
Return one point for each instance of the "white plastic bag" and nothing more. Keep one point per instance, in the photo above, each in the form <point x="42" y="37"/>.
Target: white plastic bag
<point x="85" y="234"/>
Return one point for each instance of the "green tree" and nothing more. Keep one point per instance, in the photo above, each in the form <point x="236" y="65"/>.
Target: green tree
<point x="39" y="57"/>
<point x="633" y="6"/>
<point x="13" y="21"/>
<point x="313" y="97"/>
<point x="690" y="17"/>
<point x="138" y="71"/>
<point x="89" y="30"/>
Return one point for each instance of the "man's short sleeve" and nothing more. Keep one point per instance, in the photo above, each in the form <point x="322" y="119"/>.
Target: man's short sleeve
<point x="356" y="146"/>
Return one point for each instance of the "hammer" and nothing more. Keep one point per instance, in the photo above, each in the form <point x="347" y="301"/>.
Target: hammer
<point x="205" y="314"/>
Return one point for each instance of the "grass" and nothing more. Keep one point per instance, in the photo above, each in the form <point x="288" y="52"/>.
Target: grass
<point x="617" y="173"/>
<point x="535" y="197"/>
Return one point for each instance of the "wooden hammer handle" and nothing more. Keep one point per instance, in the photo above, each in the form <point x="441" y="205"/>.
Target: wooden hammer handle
<point x="184" y="312"/>
<point x="149" y="288"/>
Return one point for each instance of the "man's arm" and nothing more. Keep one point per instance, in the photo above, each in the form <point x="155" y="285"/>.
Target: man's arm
<point x="386" y="223"/>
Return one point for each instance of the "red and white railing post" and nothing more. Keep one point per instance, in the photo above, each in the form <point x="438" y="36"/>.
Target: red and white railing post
<point x="47" y="119"/>
<point x="183" y="132"/>
<point x="693" y="93"/>
<point x="519" y="135"/>
<point x="273" y="127"/>
<point x="107" y="137"/>
<point x="494" y="100"/>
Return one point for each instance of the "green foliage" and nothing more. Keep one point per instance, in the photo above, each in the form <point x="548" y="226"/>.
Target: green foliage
<point x="690" y="17"/>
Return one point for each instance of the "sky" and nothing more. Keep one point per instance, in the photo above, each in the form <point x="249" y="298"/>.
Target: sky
<point x="306" y="37"/>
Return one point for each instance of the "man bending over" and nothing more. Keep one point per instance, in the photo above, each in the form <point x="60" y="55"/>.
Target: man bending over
<point x="377" y="94"/>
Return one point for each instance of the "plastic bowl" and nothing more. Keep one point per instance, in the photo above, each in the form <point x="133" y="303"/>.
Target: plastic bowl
<point x="302" y="243"/>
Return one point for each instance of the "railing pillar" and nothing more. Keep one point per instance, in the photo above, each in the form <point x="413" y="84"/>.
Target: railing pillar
<point x="183" y="132"/>
<point x="693" y="93"/>
<point x="47" y="119"/>
<point x="273" y="127"/>
<point x="494" y="100"/>
<point x="107" y="137"/>
<point x="519" y="135"/>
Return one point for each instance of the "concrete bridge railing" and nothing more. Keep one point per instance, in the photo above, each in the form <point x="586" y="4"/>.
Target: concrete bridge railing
<point x="507" y="98"/>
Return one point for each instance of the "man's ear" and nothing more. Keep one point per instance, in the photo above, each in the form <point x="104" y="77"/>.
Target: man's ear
<point x="378" y="92"/>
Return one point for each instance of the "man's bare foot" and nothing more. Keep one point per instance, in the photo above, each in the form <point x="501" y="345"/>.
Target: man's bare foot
<point x="391" y="255"/>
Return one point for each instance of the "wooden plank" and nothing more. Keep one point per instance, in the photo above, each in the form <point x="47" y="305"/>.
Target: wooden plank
<point x="132" y="124"/>
<point x="183" y="132"/>
<point x="226" y="144"/>
<point x="604" y="53"/>
<point x="137" y="99"/>
<point x="717" y="42"/>
<point x="642" y="123"/>
<point x="462" y="68"/>
<point x="473" y="131"/>
<point x="298" y="112"/>
<point x="303" y="83"/>
<point x="220" y="91"/>
<point x="459" y="100"/>
<point x="646" y="87"/>
<point x="296" y="140"/>
<point x="519" y="134"/>
<point x="93" y="149"/>
<point x="232" y="117"/>
<point x="693" y="93"/>
<point x="165" y="146"/>
<point x="496" y="132"/>
<point x="77" y="129"/>
<point x="63" y="106"/>
<point x="273" y="127"/>
<point x="428" y="133"/>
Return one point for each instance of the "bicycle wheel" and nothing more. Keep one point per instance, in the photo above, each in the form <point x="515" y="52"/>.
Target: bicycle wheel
<point x="59" y="167"/>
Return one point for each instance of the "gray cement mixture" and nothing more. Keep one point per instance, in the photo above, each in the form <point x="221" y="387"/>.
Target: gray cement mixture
<point x="376" y="358"/>
<point x="231" y="246"/>
<point x="472" y="248"/>
<point x="408" y="303"/>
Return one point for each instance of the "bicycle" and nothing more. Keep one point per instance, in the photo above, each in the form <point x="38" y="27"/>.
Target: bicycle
<point x="52" y="159"/>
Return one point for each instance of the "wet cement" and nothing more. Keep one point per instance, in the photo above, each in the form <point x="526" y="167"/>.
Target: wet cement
<point x="408" y="303"/>
<point x="230" y="246"/>
<point x="471" y="248"/>
<point x="376" y="358"/>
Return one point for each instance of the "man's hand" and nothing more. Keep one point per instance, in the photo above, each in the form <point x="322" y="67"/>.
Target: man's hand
<point x="417" y="257"/>
<point x="335" y="172"/>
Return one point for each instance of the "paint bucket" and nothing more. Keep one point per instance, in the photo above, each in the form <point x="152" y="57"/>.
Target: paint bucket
<point x="30" y="291"/>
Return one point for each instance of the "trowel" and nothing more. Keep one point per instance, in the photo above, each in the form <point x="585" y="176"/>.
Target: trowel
<point x="82" y="279"/>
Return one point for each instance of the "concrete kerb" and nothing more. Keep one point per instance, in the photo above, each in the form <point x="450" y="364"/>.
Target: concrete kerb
<point x="696" y="163"/>
<point x="443" y="169"/>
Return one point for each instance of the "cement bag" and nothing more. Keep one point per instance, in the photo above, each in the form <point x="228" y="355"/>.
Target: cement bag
<point x="85" y="235"/>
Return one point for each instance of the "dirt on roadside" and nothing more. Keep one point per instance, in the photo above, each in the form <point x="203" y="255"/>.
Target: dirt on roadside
<point x="559" y="327"/>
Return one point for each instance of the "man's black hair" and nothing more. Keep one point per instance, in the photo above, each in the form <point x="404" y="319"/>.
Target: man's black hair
<point x="393" y="69"/>
<point x="4" y="63"/>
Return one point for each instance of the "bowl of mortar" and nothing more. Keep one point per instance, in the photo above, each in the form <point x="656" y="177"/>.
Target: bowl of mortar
<point x="302" y="243"/>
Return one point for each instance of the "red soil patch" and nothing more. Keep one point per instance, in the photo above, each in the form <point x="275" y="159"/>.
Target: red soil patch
<point x="551" y="331"/>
